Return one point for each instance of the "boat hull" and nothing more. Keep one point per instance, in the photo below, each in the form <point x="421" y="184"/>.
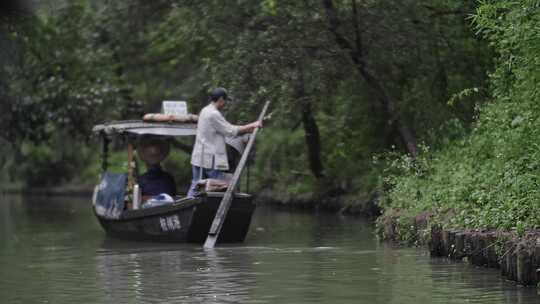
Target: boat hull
<point x="188" y="220"/>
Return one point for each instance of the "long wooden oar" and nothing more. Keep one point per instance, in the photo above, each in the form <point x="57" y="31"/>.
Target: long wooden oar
<point x="221" y="213"/>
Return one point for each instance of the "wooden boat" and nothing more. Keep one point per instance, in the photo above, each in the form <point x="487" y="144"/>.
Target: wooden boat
<point x="184" y="220"/>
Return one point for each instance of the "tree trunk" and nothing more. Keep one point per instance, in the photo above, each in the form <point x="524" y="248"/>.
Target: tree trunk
<point x="311" y="130"/>
<point x="356" y="54"/>
<point x="406" y="134"/>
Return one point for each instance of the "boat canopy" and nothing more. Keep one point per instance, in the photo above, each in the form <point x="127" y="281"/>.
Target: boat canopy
<point x="176" y="129"/>
<point x="140" y="127"/>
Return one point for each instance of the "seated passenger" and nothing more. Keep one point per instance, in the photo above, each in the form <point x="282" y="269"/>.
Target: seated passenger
<point x="153" y="150"/>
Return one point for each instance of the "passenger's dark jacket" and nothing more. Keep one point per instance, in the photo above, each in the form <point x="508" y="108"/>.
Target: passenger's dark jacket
<point x="156" y="181"/>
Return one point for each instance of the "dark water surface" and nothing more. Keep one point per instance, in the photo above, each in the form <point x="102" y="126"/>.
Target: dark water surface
<point x="54" y="251"/>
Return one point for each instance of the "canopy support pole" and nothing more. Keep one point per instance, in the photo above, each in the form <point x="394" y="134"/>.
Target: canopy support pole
<point x="104" y="151"/>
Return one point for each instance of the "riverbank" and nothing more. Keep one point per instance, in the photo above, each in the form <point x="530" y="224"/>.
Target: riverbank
<point x="516" y="255"/>
<point x="342" y="203"/>
<point x="476" y="193"/>
<point x="64" y="190"/>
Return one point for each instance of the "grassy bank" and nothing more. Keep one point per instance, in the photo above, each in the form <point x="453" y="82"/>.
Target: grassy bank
<point x="489" y="179"/>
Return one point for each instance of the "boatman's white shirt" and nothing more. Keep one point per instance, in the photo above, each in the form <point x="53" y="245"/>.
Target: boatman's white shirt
<point x="209" y="151"/>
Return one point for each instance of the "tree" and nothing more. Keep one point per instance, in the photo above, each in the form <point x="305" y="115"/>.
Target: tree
<point x="348" y="79"/>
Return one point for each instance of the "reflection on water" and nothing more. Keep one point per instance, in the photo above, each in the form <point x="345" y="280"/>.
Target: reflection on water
<point x="53" y="251"/>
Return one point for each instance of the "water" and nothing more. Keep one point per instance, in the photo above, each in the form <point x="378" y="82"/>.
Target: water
<point x="53" y="251"/>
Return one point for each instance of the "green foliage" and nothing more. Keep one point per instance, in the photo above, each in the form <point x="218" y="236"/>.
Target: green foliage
<point x="489" y="179"/>
<point x="281" y="161"/>
<point x="46" y="164"/>
<point x="117" y="60"/>
<point x="179" y="166"/>
<point x="65" y="87"/>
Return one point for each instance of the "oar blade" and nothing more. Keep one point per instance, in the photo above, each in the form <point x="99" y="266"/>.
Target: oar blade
<point x="210" y="242"/>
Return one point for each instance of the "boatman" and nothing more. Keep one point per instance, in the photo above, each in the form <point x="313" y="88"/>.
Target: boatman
<point x="209" y="156"/>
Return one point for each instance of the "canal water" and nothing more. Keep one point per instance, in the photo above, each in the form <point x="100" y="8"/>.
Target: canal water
<point x="54" y="251"/>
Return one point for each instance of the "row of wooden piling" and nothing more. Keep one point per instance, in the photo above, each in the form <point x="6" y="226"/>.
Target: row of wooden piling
<point x="518" y="257"/>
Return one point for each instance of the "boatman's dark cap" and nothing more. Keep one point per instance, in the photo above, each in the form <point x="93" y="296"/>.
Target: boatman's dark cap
<point x="219" y="92"/>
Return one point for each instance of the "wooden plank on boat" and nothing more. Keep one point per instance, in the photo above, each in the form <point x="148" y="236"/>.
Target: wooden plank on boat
<point x="221" y="213"/>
